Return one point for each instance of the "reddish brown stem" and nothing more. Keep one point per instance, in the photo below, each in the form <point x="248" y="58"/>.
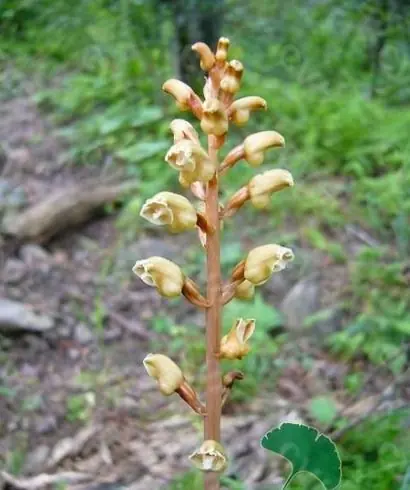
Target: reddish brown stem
<point x="213" y="318"/>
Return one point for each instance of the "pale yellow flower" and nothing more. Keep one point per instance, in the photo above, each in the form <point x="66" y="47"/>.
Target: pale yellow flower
<point x="263" y="261"/>
<point x="170" y="210"/>
<point x="162" y="274"/>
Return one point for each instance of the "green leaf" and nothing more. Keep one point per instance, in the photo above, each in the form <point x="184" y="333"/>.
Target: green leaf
<point x="323" y="409"/>
<point x="306" y="450"/>
<point x="143" y="151"/>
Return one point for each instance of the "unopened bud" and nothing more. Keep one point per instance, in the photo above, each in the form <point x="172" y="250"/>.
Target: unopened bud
<point x="234" y="344"/>
<point x="263" y="185"/>
<point x="256" y="144"/>
<point x="231" y="81"/>
<point x="245" y="291"/>
<point x="170" y="210"/>
<point x="192" y="161"/>
<point x="222" y="50"/>
<point x="162" y="274"/>
<point x="164" y="370"/>
<point x="214" y="119"/>
<point x="183" y="130"/>
<point x="207" y="58"/>
<point x="239" y="111"/>
<point x="210" y="457"/>
<point x="263" y="261"/>
<point x="184" y="96"/>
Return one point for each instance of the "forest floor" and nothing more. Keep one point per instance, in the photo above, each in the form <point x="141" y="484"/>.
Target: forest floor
<point x="75" y="397"/>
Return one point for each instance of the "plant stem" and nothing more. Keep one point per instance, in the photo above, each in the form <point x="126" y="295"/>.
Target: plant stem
<point x="213" y="318"/>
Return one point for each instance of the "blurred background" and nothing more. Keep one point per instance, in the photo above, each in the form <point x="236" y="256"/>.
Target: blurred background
<point x="84" y="127"/>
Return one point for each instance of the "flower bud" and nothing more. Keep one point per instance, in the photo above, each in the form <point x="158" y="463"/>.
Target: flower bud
<point x="245" y="291"/>
<point x="207" y="58"/>
<point x="170" y="210"/>
<point x="214" y="118"/>
<point x="165" y="371"/>
<point x="263" y="185"/>
<point x="222" y="50"/>
<point x="184" y="96"/>
<point x="162" y="274"/>
<point x="231" y="81"/>
<point x="239" y="111"/>
<point x="256" y="144"/>
<point x="209" y="457"/>
<point x="234" y="344"/>
<point x="263" y="261"/>
<point x="192" y="161"/>
<point x="183" y="130"/>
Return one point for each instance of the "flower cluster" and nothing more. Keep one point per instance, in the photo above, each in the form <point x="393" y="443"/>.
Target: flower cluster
<point x="199" y="171"/>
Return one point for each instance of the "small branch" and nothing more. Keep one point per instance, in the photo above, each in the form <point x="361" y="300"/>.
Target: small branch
<point x="232" y="158"/>
<point x="190" y="397"/>
<point x="236" y="202"/>
<point x="228" y="291"/>
<point x="238" y="272"/>
<point x="192" y="293"/>
<point x="204" y="224"/>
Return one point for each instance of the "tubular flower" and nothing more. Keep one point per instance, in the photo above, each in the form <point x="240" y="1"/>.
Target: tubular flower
<point x="256" y="144"/>
<point x="207" y="58"/>
<point x="263" y="185"/>
<point x="209" y="457"/>
<point x="214" y="118"/>
<point x="183" y="130"/>
<point x="162" y="274"/>
<point x="192" y="161"/>
<point x="168" y="375"/>
<point x="245" y="290"/>
<point x="170" y="210"/>
<point x="186" y="99"/>
<point x="231" y="81"/>
<point x="239" y="111"/>
<point x="263" y="261"/>
<point x="234" y="344"/>
<point x="222" y="50"/>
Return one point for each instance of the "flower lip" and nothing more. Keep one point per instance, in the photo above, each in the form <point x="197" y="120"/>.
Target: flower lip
<point x="142" y="270"/>
<point x="157" y="211"/>
<point x="209" y="457"/>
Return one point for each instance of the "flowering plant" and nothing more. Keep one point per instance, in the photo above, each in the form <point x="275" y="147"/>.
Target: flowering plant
<point x="199" y="170"/>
